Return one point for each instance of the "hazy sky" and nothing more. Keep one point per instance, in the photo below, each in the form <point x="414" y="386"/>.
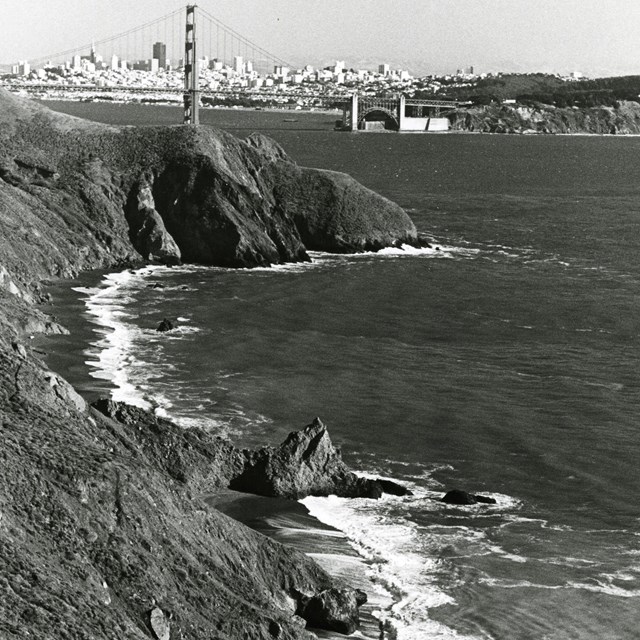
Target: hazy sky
<point x="598" y="37"/>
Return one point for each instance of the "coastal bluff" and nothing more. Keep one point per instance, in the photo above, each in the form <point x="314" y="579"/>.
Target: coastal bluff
<point x="104" y="531"/>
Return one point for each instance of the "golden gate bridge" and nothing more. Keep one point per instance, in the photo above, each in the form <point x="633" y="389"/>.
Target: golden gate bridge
<point x="190" y="41"/>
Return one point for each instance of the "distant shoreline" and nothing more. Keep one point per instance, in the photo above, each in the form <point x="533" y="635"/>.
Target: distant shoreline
<point x="483" y="117"/>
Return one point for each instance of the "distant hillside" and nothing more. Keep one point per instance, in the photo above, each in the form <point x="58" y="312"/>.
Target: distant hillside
<point x="549" y="89"/>
<point x="623" y="119"/>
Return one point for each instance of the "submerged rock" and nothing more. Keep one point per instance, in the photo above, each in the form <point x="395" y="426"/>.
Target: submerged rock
<point x="165" y="325"/>
<point x="456" y="496"/>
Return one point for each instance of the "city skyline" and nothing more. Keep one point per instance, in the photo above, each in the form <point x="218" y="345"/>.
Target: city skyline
<point x="423" y="36"/>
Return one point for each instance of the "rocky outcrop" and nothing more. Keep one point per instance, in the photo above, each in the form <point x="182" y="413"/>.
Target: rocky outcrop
<point x="306" y="463"/>
<point x="102" y="533"/>
<point x="541" y="118"/>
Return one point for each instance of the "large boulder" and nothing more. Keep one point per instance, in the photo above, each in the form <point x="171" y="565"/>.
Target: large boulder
<point x="333" y="610"/>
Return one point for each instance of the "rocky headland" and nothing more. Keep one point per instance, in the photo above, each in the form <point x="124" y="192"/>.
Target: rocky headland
<point x="622" y="119"/>
<point x="103" y="529"/>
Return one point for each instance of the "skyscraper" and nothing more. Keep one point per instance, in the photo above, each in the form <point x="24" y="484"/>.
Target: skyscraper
<point x="160" y="54"/>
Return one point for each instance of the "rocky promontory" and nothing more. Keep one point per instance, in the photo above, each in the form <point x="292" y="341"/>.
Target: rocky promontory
<point x="104" y="532"/>
<point x="86" y="195"/>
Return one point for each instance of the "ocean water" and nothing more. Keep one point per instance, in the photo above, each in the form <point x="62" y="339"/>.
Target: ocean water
<point x="503" y="363"/>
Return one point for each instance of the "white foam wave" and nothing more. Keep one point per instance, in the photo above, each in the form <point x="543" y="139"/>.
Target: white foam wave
<point x="518" y="584"/>
<point x="496" y="549"/>
<point x="438" y="250"/>
<point x="435" y="251"/>
<point x="110" y="356"/>
<point x="395" y="560"/>
<point x="603" y="586"/>
<point x="286" y="267"/>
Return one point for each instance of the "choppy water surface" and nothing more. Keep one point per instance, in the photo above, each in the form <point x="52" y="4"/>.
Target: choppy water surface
<point x="504" y="363"/>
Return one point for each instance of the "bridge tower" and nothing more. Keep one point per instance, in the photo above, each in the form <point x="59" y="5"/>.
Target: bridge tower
<point x="191" y="95"/>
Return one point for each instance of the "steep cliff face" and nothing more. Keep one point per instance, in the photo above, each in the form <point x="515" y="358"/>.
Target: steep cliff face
<point x="623" y="119"/>
<point x="102" y="530"/>
<point x="97" y="530"/>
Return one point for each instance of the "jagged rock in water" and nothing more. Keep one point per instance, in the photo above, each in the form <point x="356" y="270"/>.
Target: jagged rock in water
<point x="393" y="488"/>
<point x="333" y="610"/>
<point x="307" y="463"/>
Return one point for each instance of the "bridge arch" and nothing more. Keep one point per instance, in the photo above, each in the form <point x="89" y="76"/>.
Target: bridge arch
<point x="379" y="114"/>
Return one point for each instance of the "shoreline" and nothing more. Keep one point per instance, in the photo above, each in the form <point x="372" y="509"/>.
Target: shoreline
<point x="287" y="522"/>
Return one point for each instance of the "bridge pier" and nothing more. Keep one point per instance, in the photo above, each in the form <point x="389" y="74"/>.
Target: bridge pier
<point x="350" y="114"/>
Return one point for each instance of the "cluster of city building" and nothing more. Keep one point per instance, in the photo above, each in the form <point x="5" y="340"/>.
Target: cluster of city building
<point x="159" y="72"/>
<point x="165" y="77"/>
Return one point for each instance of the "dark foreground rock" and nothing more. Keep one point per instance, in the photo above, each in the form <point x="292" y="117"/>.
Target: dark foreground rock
<point x="333" y="609"/>
<point x="102" y="533"/>
<point x="456" y="496"/>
